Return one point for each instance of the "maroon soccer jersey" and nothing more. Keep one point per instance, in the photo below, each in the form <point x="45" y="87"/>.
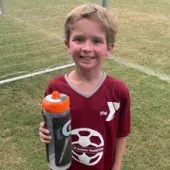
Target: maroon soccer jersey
<point x="97" y="120"/>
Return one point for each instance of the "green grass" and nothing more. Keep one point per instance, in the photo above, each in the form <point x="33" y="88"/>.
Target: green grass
<point x="144" y="33"/>
<point x="148" y="145"/>
<point x="28" y="42"/>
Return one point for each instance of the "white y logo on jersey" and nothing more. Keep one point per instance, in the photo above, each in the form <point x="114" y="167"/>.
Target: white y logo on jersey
<point x="113" y="106"/>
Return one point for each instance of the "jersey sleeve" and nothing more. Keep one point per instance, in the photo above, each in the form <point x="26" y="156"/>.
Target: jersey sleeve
<point x="52" y="85"/>
<point x="124" y="125"/>
<point x="48" y="90"/>
<point x="55" y="84"/>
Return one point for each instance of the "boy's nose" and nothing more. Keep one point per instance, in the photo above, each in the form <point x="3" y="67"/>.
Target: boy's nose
<point x="87" y="47"/>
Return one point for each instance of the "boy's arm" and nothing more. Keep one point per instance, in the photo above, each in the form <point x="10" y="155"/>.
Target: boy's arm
<point x="120" y="148"/>
<point x="124" y="128"/>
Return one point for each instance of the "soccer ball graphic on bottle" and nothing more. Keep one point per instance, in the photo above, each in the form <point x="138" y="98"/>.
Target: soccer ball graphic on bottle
<point x="87" y="146"/>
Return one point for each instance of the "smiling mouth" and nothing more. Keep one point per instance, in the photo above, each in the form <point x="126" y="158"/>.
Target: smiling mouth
<point x="86" y="58"/>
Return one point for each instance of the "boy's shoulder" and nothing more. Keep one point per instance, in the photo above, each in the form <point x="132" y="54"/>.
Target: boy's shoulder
<point x="116" y="87"/>
<point x="116" y="83"/>
<point x="56" y="83"/>
<point x="57" y="79"/>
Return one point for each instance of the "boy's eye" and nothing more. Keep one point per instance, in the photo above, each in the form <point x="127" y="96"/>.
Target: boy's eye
<point x="79" y="39"/>
<point x="96" y="41"/>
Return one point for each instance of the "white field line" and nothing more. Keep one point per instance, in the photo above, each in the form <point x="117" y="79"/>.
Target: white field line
<point x="142" y="69"/>
<point x="122" y="62"/>
<point x="36" y="73"/>
<point x="19" y="72"/>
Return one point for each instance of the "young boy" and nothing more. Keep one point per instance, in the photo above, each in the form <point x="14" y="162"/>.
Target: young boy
<point x="100" y="104"/>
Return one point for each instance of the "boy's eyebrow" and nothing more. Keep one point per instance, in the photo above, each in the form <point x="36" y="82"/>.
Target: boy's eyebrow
<point x="80" y="35"/>
<point x="98" y="37"/>
<point x="77" y="35"/>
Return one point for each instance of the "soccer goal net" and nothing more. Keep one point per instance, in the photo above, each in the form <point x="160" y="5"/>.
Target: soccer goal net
<point x="32" y="35"/>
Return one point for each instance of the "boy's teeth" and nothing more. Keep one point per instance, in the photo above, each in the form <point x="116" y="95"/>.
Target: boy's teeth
<point x="87" y="58"/>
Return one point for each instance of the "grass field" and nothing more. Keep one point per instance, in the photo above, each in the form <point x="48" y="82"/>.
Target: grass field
<point x="31" y="39"/>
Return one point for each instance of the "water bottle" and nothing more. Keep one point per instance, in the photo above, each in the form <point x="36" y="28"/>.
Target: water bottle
<point x="56" y="112"/>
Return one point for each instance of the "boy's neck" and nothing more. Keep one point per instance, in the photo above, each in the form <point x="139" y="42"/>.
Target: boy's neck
<point x="86" y="76"/>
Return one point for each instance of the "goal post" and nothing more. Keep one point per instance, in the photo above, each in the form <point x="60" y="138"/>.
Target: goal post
<point x="105" y="3"/>
<point x="1" y="7"/>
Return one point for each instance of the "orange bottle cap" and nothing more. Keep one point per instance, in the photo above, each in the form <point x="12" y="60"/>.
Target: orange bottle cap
<point x="55" y="95"/>
<point x="56" y="102"/>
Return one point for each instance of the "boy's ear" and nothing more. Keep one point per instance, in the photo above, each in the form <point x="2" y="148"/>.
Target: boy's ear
<point x="66" y="43"/>
<point x="109" y="50"/>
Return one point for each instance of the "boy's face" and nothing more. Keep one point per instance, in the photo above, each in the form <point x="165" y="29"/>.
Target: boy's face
<point x="87" y="44"/>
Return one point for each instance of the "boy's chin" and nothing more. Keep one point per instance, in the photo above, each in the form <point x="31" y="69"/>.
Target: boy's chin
<point x="88" y="66"/>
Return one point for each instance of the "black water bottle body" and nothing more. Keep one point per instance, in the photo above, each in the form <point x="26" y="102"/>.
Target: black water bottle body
<point x="59" y="154"/>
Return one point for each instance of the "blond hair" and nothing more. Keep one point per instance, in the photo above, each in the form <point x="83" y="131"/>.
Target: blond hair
<point x="93" y="12"/>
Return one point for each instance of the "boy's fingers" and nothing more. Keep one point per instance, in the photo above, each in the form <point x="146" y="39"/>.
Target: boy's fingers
<point x="42" y="124"/>
<point x="44" y="136"/>
<point x="44" y="133"/>
<point x="43" y="130"/>
<point x="44" y="141"/>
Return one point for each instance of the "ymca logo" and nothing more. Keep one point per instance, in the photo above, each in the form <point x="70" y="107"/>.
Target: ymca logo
<point x="113" y="106"/>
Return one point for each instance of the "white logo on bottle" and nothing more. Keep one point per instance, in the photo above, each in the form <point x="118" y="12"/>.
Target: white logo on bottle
<point x="66" y="130"/>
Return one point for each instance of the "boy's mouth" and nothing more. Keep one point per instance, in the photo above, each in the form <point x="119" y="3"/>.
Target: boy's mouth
<point x="86" y="57"/>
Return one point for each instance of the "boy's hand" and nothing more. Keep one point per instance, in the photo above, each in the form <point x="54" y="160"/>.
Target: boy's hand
<point x="44" y="133"/>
